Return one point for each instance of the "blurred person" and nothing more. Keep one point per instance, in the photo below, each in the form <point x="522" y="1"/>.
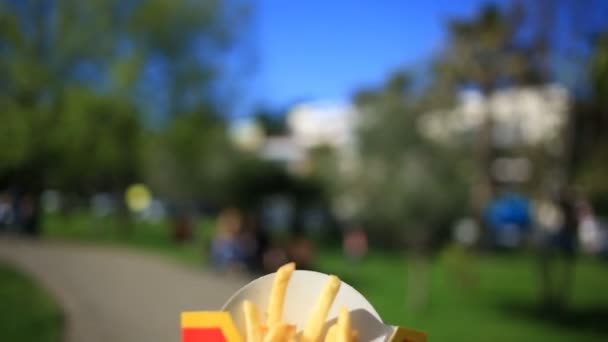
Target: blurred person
<point x="509" y="218"/>
<point x="589" y="231"/>
<point x="182" y="228"/>
<point x="559" y="251"/>
<point x="182" y="225"/>
<point x="355" y="244"/>
<point x="274" y="257"/>
<point x="547" y="217"/>
<point x="29" y="215"/>
<point x="255" y="242"/>
<point x="227" y="252"/>
<point x="568" y="232"/>
<point x="301" y="250"/>
<point x="6" y="211"/>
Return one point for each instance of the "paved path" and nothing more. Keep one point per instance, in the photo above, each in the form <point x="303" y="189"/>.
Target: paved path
<point x="115" y="294"/>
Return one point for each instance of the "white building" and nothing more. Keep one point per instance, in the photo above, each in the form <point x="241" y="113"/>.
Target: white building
<point x="310" y="124"/>
<point x="247" y="135"/>
<point x="523" y="115"/>
<point x="322" y="123"/>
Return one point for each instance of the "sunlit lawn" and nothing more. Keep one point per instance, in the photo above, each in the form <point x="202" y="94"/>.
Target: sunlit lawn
<point x="27" y="313"/>
<point x="502" y="307"/>
<point x="148" y="236"/>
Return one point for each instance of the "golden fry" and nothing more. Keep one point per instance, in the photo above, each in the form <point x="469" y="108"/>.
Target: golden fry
<point x="276" y="330"/>
<point x="331" y="333"/>
<point x="276" y="333"/>
<point x="344" y="326"/>
<point x="264" y="329"/>
<point x="252" y="322"/>
<point x="277" y="295"/>
<point x="291" y="331"/>
<point x="314" y="327"/>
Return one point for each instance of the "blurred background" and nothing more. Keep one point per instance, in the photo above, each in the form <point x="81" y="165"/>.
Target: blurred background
<point x="446" y="158"/>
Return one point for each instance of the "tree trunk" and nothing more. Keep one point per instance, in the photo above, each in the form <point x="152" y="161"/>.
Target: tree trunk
<point x="418" y="281"/>
<point x="419" y="265"/>
<point x="124" y="226"/>
<point x="483" y="188"/>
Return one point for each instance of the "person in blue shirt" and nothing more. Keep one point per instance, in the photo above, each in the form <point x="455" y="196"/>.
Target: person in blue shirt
<point x="227" y="251"/>
<point x="509" y="218"/>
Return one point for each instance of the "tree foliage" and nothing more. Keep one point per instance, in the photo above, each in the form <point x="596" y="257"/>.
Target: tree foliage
<point x="407" y="184"/>
<point x="81" y="81"/>
<point x="191" y="158"/>
<point x="590" y="150"/>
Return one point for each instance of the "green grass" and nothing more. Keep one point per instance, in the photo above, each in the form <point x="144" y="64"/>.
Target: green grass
<point x="501" y="307"/>
<point x="147" y="236"/>
<point x="27" y="313"/>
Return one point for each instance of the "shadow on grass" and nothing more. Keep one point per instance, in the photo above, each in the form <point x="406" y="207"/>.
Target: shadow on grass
<point x="592" y="319"/>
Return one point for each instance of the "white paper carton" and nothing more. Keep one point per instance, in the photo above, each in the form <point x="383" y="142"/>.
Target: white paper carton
<point x="302" y="293"/>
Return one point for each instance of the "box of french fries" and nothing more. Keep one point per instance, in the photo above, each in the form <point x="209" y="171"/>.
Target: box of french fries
<point x="293" y="305"/>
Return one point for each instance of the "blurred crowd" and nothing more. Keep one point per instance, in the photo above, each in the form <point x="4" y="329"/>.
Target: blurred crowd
<point x="563" y="223"/>
<point x="19" y="213"/>
<point x="241" y="243"/>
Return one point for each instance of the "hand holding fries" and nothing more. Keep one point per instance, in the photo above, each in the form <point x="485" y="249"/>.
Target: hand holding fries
<point x="277" y="330"/>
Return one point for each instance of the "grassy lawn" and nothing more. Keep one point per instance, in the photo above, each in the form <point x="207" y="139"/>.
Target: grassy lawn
<point x="27" y="313"/>
<point x="501" y="307"/>
<point x="148" y="236"/>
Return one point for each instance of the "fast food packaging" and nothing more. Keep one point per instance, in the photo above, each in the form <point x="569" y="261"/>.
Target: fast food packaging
<point x="228" y="325"/>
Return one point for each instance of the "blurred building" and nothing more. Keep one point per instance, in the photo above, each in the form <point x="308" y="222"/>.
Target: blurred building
<point x="247" y="135"/>
<point x="521" y="115"/>
<point x="310" y="125"/>
<point x="281" y="149"/>
<point x="285" y="151"/>
<point x="323" y="123"/>
<point x="531" y="116"/>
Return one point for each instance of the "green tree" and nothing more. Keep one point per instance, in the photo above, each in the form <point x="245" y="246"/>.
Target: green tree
<point x="590" y="145"/>
<point x="272" y="122"/>
<point x="191" y="159"/>
<point x="524" y="46"/>
<point x="97" y="143"/>
<point x="73" y="75"/>
<point x="85" y="57"/>
<point x="325" y="169"/>
<point x="407" y="186"/>
<point x="482" y="52"/>
<point x="191" y="156"/>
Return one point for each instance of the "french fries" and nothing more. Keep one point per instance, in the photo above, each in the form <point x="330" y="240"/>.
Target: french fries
<point x="252" y="322"/>
<point x="314" y="327"/>
<point x="291" y="333"/>
<point x="344" y="329"/>
<point x="275" y="329"/>
<point x="278" y="332"/>
<point x="277" y="296"/>
<point x="331" y="333"/>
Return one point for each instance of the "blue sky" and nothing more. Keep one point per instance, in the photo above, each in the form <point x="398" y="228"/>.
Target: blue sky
<point x="325" y="50"/>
